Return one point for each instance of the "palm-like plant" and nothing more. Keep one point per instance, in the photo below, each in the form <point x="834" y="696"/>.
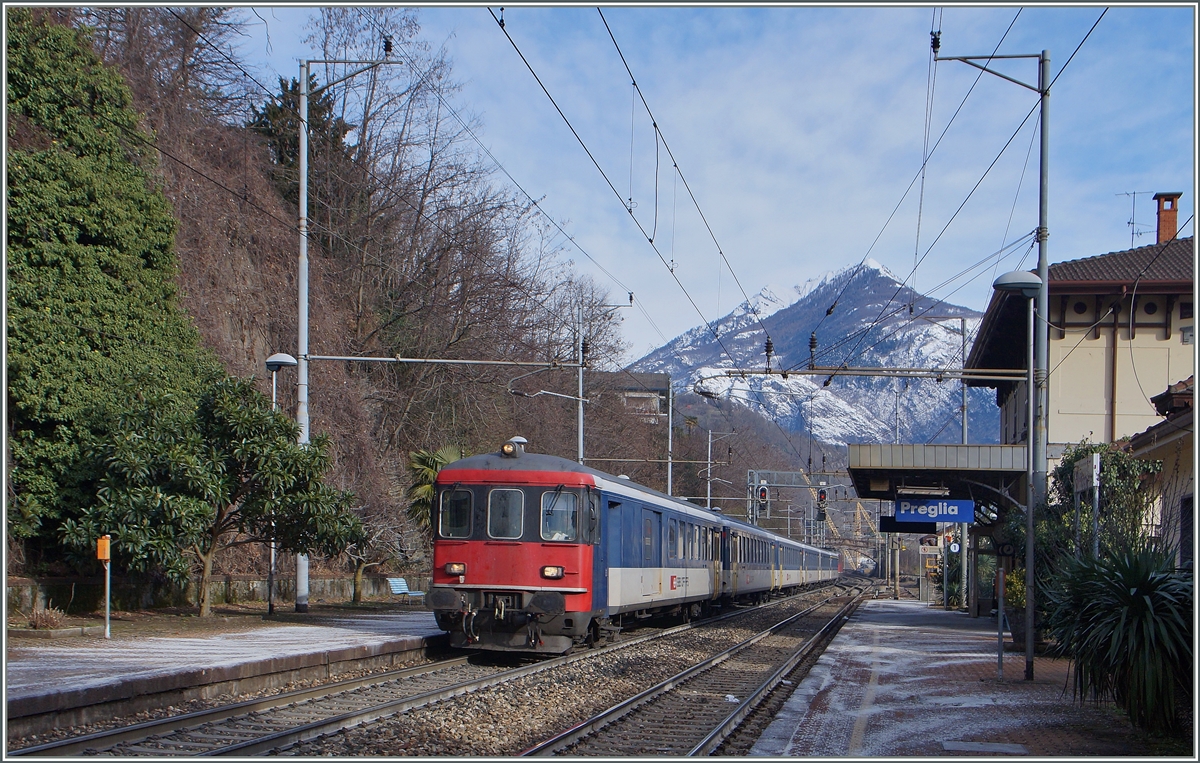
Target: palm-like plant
<point x="425" y="465"/>
<point x="1126" y="624"/>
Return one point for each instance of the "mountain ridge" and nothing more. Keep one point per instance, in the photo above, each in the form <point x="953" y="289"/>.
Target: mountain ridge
<point x="863" y="316"/>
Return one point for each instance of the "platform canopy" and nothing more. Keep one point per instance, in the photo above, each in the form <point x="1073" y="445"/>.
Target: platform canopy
<point x="987" y="474"/>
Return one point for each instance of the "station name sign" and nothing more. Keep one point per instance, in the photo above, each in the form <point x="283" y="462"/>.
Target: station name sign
<point x="935" y="511"/>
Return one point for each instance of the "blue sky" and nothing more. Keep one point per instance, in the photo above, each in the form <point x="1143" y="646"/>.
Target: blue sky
<point x="799" y="128"/>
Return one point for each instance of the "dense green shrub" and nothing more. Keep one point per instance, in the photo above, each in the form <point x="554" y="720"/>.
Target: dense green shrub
<point x="92" y="309"/>
<point x="1126" y="624"/>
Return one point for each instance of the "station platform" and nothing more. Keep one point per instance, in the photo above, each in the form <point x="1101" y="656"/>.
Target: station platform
<point x="902" y="678"/>
<point x="238" y="654"/>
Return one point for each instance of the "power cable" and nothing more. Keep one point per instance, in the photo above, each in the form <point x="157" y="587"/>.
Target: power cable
<point x="1002" y="150"/>
<point x="536" y="204"/>
<point x="315" y="222"/>
<point x="913" y="182"/>
<point x="675" y="163"/>
<point x="617" y="193"/>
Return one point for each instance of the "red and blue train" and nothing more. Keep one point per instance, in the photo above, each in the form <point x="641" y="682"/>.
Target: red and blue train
<point x="535" y="553"/>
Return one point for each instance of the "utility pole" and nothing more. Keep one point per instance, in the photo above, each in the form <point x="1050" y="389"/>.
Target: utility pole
<point x="1039" y="434"/>
<point x="302" y="279"/>
<point x="670" y="431"/>
<point x="579" y="359"/>
<point x="708" y="470"/>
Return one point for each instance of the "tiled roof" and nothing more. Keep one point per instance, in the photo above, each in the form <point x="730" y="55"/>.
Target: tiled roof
<point x="1177" y="397"/>
<point x="1175" y="262"/>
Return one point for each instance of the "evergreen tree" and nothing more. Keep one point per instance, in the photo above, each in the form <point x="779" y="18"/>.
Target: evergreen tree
<point x="90" y="263"/>
<point x="184" y="482"/>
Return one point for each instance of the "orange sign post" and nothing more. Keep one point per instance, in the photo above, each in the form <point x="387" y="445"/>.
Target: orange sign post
<point x="104" y="554"/>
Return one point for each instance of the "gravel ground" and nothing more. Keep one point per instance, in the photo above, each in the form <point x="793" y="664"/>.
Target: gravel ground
<point x="507" y="719"/>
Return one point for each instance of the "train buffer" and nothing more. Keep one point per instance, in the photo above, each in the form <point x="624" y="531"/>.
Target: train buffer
<point x="399" y="587"/>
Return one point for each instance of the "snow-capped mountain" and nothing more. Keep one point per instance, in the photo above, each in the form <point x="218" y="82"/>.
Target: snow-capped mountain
<point x="874" y="322"/>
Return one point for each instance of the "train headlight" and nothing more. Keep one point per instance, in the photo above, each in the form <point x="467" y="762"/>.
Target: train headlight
<point x="554" y="573"/>
<point x="456" y="568"/>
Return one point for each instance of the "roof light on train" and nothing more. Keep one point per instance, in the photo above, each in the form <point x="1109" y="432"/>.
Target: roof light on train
<point x="514" y="447"/>
<point x="456" y="568"/>
<point x="553" y="573"/>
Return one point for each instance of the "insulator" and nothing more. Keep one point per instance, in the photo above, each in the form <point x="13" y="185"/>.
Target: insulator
<point x="812" y="342"/>
<point x="829" y="312"/>
<point x="828" y="381"/>
<point x="935" y="41"/>
<point x="770" y="347"/>
<point x="387" y="45"/>
<point x="584" y="347"/>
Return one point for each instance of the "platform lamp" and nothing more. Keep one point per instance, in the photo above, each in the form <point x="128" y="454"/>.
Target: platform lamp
<point x="274" y="363"/>
<point x="1028" y="285"/>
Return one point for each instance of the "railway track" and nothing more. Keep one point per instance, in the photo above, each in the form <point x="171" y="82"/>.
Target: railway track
<point x="296" y="720"/>
<point x="692" y="712"/>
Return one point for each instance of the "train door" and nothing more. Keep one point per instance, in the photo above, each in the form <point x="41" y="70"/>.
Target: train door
<point x="651" y="567"/>
<point x="713" y="559"/>
<point x="776" y="569"/>
<point x="735" y="562"/>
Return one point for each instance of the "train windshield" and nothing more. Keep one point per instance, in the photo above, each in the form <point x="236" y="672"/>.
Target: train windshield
<point x="559" y="515"/>
<point x="454" y="519"/>
<point x="505" y="511"/>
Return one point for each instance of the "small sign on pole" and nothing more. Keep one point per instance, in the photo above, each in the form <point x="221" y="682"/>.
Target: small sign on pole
<point x="104" y="554"/>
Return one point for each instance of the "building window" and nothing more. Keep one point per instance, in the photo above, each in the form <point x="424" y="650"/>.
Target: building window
<point x="1151" y="308"/>
<point x="1185" y="309"/>
<point x="1080" y="308"/>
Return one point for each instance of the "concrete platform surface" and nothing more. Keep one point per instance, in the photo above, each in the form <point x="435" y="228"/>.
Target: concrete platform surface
<point x="904" y="679"/>
<point x="60" y="673"/>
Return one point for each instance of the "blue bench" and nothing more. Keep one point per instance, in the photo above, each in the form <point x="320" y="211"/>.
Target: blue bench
<point x="399" y="587"/>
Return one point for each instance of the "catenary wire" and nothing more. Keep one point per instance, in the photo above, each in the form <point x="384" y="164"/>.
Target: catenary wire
<point x="617" y="193"/>
<point x="916" y="176"/>
<point x="675" y="163"/>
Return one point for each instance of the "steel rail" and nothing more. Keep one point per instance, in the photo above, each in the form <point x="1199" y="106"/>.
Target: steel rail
<point x="727" y="726"/>
<point x="595" y="723"/>
<point x="139" y="731"/>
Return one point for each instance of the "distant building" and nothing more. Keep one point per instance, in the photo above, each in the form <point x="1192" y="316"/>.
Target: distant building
<point x="644" y="394"/>
<point x="1171" y="441"/>
<point x="1121" y="329"/>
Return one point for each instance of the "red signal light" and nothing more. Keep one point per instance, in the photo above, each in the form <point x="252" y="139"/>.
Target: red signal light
<point x="762" y="493"/>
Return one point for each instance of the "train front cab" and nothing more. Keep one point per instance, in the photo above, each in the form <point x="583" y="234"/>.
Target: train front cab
<point x="514" y="563"/>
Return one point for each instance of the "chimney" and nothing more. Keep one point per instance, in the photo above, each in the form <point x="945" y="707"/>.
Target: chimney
<point x="1168" y="215"/>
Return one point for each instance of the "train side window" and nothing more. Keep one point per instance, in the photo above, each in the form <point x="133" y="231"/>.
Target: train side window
<point x="506" y="513"/>
<point x="560" y="515"/>
<point x="454" y="516"/>
<point x="672" y="533"/>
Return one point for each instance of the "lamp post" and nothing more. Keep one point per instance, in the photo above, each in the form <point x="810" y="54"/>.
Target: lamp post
<point x="274" y="363"/>
<point x="1029" y="286"/>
